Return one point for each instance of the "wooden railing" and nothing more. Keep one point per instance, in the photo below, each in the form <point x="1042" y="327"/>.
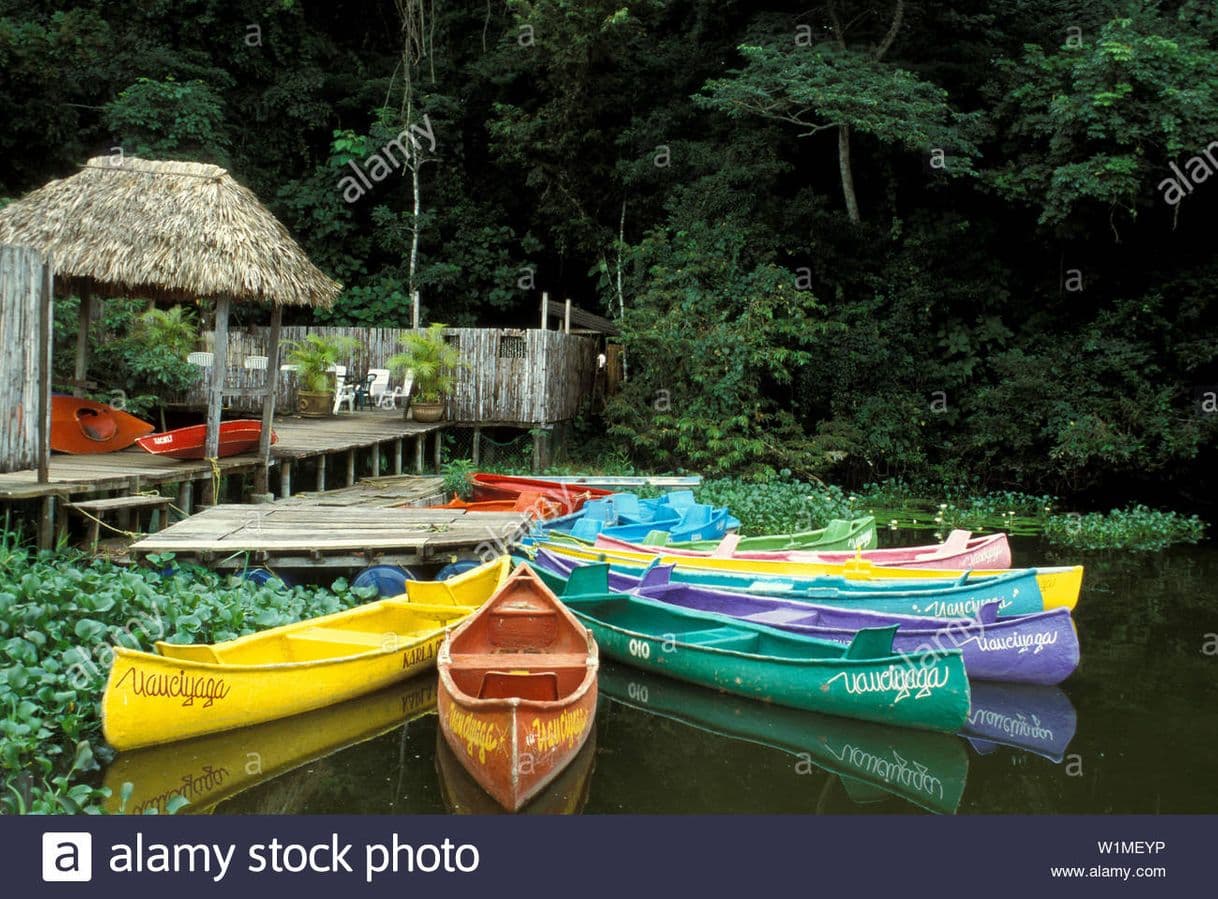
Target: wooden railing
<point x="510" y="377"/>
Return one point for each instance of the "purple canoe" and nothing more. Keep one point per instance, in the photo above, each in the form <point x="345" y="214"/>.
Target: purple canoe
<point x="1040" y="648"/>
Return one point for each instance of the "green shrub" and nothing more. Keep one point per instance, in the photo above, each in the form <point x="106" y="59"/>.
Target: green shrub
<point x="1135" y="528"/>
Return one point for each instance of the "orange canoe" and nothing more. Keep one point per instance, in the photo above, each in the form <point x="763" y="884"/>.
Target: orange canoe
<point x="499" y="487"/>
<point x="537" y="505"/>
<point x="517" y="696"/>
<point x="82" y="426"/>
<point x="236" y="437"/>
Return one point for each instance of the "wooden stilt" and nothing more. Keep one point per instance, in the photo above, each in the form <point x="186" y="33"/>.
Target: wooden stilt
<point x="285" y="478"/>
<point x="321" y="472"/>
<point x="477" y="450"/>
<point x="537" y="451"/>
<point x="376" y="460"/>
<point x="262" y="476"/>
<point x="186" y="491"/>
<point x="219" y="371"/>
<point x="418" y="453"/>
<point x="438" y="449"/>
<point x="397" y="456"/>
<point x="350" y="467"/>
<point x="46" y="522"/>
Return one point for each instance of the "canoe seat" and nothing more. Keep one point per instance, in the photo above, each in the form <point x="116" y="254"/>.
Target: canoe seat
<point x="337" y="636"/>
<point x="720" y="638"/>
<point x="541" y="686"/>
<point x="783" y="616"/>
<point x="501" y="661"/>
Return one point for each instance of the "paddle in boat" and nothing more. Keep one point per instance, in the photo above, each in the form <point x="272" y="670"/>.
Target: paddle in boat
<point x="1041" y="648"/>
<point x="838" y="534"/>
<point x="924" y="768"/>
<point x="1016" y="593"/>
<point x="188" y="690"/>
<point x="236" y="437"/>
<point x="208" y="770"/>
<point x="81" y="426"/>
<point x="865" y="679"/>
<point x="517" y="693"/>
<point x="961" y="550"/>
<point x="1059" y="586"/>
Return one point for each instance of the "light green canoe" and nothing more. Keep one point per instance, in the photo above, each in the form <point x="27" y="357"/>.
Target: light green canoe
<point x="838" y="534"/>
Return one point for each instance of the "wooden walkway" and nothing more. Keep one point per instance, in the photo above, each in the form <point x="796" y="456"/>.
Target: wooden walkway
<point x="302" y="534"/>
<point x="383" y="434"/>
<point x="388" y="492"/>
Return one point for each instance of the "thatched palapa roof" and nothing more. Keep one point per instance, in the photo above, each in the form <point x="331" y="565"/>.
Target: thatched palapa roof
<point x="164" y="230"/>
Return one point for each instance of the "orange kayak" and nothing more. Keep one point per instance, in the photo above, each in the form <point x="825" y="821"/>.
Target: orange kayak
<point x="82" y="426"/>
<point x="535" y="504"/>
<point x="502" y="487"/>
<point x="517" y="695"/>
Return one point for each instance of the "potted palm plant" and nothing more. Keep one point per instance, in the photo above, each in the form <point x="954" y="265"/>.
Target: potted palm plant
<point x="313" y="357"/>
<point x="434" y="363"/>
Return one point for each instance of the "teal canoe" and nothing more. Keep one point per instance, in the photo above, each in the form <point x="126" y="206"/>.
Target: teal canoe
<point x="926" y="769"/>
<point x="864" y="679"/>
<point x="837" y="535"/>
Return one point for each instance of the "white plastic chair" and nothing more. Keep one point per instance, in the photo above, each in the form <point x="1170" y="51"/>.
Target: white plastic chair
<point x="379" y="384"/>
<point x="343" y="392"/>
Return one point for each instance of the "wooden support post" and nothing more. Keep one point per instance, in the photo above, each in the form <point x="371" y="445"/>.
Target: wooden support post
<point x="45" y="337"/>
<point x="438" y="449"/>
<point x="418" y="453"/>
<point x="46" y="522"/>
<point x="477" y="450"/>
<point x="566" y="321"/>
<point x="285" y="478"/>
<point x="321" y="472"/>
<point x="376" y="460"/>
<point x="186" y="491"/>
<point x="537" y="450"/>
<point x="82" y="341"/>
<point x="350" y="466"/>
<point x="545" y="309"/>
<point x="215" y="399"/>
<point x="397" y="456"/>
<point x="262" y="475"/>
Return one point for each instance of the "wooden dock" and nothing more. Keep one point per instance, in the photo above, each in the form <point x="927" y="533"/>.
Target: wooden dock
<point x="388" y="492"/>
<point x="315" y="535"/>
<point x="333" y="444"/>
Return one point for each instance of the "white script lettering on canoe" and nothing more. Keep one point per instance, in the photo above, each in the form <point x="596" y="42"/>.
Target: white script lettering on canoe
<point x="1011" y="725"/>
<point x="905" y="682"/>
<point x="1021" y="641"/>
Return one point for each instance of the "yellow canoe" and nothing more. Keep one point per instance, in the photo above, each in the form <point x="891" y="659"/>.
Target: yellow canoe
<point x="1059" y="586"/>
<point x="208" y="770"/>
<point x="190" y="690"/>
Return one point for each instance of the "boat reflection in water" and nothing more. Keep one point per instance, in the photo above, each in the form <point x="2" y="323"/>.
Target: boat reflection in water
<point x="567" y="794"/>
<point x="207" y="770"/>
<point x="872" y="760"/>
<point x="1036" y="719"/>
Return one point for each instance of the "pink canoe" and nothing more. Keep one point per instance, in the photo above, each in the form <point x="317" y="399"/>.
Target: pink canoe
<point x="961" y="550"/>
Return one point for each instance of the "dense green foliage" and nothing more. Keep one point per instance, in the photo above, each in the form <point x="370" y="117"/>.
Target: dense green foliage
<point x="1137" y="528"/>
<point x="61" y="616"/>
<point x="936" y="241"/>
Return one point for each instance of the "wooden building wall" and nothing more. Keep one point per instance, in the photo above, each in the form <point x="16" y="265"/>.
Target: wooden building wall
<point x="511" y="377"/>
<point x="21" y="293"/>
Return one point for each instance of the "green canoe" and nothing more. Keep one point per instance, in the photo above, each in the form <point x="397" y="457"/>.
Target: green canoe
<point x="837" y="535"/>
<point x="865" y="679"/>
<point x="926" y="769"/>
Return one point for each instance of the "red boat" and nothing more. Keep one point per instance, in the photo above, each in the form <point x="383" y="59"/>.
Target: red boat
<point x="502" y="487"/>
<point x="236" y="437"/>
<point x="82" y="426"/>
<point x="517" y="693"/>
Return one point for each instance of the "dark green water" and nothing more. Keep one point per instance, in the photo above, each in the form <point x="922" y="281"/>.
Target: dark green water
<point x="1133" y="731"/>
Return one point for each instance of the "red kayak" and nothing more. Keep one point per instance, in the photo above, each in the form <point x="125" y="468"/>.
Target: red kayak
<point x="502" y="487"/>
<point x="82" y="426"/>
<point x="236" y="437"/>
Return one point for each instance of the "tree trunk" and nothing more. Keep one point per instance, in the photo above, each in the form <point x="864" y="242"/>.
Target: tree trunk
<point x="843" y="163"/>
<point x="414" y="237"/>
